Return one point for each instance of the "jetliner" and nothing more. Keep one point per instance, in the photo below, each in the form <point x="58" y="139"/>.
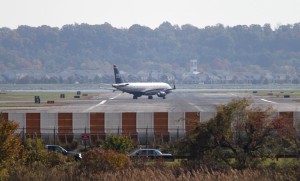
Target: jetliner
<point x="138" y="89"/>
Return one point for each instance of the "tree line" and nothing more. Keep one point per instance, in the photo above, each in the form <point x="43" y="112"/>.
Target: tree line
<point x="168" y="47"/>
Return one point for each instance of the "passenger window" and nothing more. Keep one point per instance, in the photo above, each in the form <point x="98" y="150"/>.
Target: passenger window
<point x="144" y="152"/>
<point x="58" y="150"/>
<point x="151" y="152"/>
<point x="50" y="148"/>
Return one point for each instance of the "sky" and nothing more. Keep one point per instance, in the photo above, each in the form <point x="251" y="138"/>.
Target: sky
<point x="150" y="13"/>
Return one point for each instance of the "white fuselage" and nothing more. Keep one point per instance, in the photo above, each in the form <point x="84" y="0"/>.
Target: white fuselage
<point x="145" y="88"/>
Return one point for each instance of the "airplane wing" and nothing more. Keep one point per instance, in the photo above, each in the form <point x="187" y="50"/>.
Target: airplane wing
<point x="107" y="87"/>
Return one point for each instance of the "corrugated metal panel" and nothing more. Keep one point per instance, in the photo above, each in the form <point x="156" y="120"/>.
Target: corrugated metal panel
<point x="20" y="118"/>
<point x="113" y="123"/>
<point x="176" y="125"/>
<point x="161" y="126"/>
<point x="65" y="127"/>
<point x="33" y="123"/>
<point x="288" y="117"/>
<point x="4" y="116"/>
<point x="49" y="123"/>
<point x="97" y="126"/>
<point x="191" y="118"/>
<point x="161" y="122"/>
<point x="129" y="124"/>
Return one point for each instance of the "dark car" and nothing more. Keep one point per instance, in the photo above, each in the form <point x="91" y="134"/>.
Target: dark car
<point x="59" y="149"/>
<point x="150" y="154"/>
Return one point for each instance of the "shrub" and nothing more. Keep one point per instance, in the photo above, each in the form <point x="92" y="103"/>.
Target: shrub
<point x="117" y="161"/>
<point x="35" y="151"/>
<point x="56" y="159"/>
<point x="72" y="146"/>
<point x="121" y="144"/>
<point x="98" y="159"/>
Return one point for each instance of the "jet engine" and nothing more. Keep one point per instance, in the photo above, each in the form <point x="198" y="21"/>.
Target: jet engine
<point x="161" y="94"/>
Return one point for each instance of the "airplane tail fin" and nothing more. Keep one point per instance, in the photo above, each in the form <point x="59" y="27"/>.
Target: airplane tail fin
<point x="118" y="78"/>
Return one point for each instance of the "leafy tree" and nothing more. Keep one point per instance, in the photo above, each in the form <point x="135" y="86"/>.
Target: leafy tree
<point x="121" y="144"/>
<point x="11" y="148"/>
<point x="238" y="131"/>
<point x="288" y="136"/>
<point x="35" y="151"/>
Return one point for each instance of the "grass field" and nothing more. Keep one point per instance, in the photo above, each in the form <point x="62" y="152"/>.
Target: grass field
<point x="28" y="96"/>
<point x="277" y="93"/>
<point x="27" y="99"/>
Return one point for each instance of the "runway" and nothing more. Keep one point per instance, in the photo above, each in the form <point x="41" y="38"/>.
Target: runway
<point x="177" y="101"/>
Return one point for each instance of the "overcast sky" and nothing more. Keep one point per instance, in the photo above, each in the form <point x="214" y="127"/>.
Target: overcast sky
<point x="151" y="13"/>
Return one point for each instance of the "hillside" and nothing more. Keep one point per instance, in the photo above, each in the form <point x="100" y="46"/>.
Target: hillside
<point x="90" y="50"/>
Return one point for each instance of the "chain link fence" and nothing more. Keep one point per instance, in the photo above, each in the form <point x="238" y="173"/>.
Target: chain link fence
<point x="143" y="136"/>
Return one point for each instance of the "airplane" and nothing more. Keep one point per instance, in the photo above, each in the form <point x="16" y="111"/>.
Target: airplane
<point x="138" y="89"/>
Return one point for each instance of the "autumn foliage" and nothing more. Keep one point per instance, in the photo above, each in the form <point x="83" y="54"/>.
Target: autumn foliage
<point x="98" y="159"/>
<point x="240" y="135"/>
<point x="11" y="149"/>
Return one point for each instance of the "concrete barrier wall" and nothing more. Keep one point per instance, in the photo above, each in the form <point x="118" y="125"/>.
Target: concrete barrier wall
<point x="113" y="123"/>
<point x="20" y="118"/>
<point x="297" y="120"/>
<point x="81" y="124"/>
<point x="81" y="121"/>
<point x="145" y="127"/>
<point x="144" y="121"/>
<point x="176" y="125"/>
<point x="142" y="126"/>
<point x="49" y="123"/>
<point x="206" y="116"/>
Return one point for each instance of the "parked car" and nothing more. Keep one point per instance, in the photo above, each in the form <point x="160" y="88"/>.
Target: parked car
<point x="149" y="153"/>
<point x="59" y="149"/>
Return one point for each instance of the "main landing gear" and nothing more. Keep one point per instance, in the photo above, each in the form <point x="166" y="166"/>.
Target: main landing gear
<point x="149" y="97"/>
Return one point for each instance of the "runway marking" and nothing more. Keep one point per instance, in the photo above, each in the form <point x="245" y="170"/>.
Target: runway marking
<point x="102" y="102"/>
<point x="92" y="107"/>
<point x="199" y="109"/>
<point x="268" y="101"/>
<point x="115" y="96"/>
